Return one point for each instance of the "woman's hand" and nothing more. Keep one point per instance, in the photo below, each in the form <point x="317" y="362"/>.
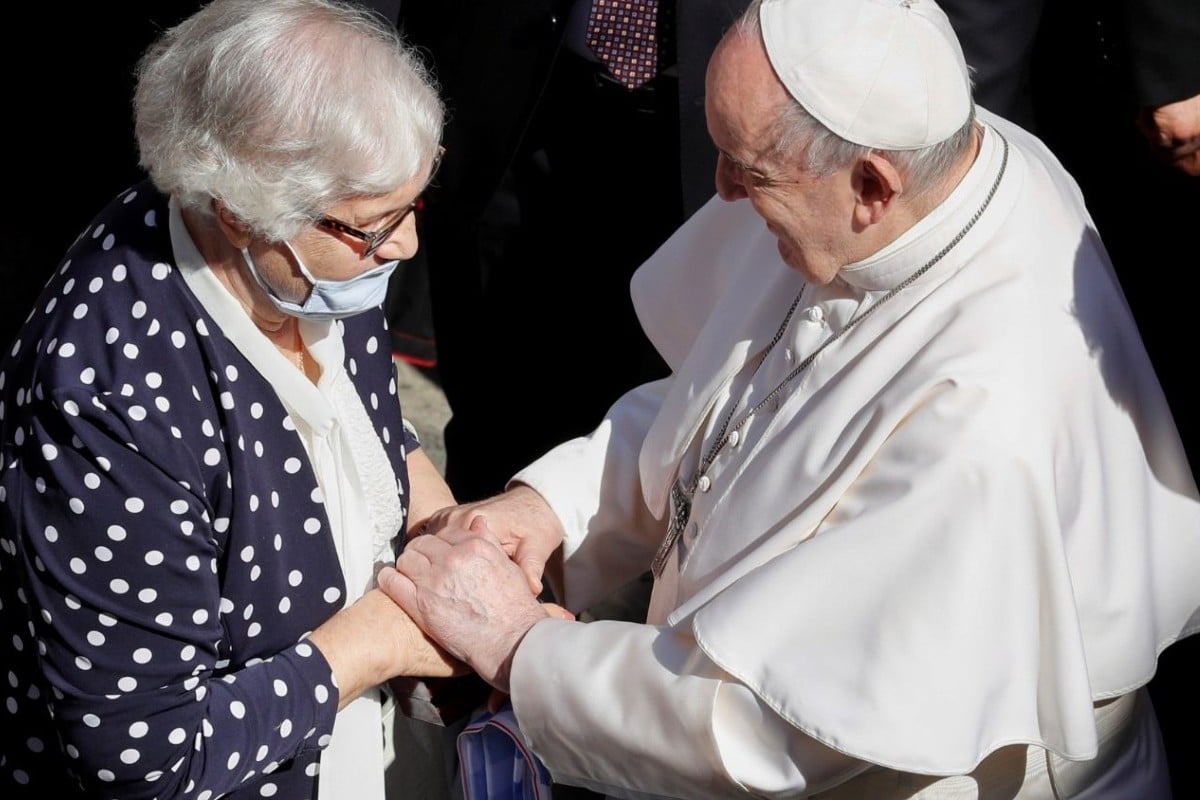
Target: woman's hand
<point x="374" y="640"/>
<point x="428" y="490"/>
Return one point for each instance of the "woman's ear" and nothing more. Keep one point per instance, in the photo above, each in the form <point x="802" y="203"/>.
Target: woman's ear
<point x="235" y="230"/>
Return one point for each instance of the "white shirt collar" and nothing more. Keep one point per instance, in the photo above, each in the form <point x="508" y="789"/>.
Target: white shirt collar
<point x="353" y="473"/>
<point x="915" y="247"/>
<point x="322" y="338"/>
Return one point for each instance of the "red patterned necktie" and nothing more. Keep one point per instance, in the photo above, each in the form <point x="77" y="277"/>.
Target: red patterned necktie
<point x="622" y="34"/>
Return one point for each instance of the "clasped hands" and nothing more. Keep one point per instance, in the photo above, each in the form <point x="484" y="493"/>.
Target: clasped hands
<point x="472" y="583"/>
<point x="1173" y="131"/>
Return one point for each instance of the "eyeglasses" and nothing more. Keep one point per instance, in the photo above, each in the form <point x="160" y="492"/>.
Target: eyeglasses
<point x="376" y="238"/>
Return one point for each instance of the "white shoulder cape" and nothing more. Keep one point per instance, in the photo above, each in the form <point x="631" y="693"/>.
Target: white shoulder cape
<point x="971" y="518"/>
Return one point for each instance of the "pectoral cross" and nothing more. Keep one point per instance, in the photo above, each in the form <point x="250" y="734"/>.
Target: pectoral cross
<point x="681" y="512"/>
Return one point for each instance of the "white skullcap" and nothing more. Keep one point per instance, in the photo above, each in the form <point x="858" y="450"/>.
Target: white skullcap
<point x="886" y="74"/>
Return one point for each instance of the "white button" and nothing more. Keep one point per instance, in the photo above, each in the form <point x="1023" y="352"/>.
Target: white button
<point x="787" y="355"/>
<point x="815" y="314"/>
<point x="704" y="484"/>
<point x="734" y="438"/>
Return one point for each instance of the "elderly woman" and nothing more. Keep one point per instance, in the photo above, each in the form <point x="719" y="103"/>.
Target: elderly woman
<point x="204" y="459"/>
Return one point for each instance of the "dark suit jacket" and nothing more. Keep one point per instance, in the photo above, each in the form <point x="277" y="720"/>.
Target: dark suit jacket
<point x="496" y="63"/>
<point x="1147" y="51"/>
<point x="493" y="61"/>
<point x="1164" y="49"/>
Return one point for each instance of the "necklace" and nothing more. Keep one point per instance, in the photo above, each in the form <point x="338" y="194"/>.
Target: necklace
<point x="682" y="492"/>
<point x="300" y="362"/>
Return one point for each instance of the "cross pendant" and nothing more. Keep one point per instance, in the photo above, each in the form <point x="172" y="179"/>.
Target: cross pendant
<point x="681" y="511"/>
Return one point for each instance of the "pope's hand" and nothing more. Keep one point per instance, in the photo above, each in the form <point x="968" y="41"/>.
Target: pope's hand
<point x="463" y="590"/>
<point x="522" y="523"/>
<point x="497" y="698"/>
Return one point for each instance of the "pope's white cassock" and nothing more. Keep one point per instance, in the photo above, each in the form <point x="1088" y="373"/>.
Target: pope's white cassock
<point x="958" y="525"/>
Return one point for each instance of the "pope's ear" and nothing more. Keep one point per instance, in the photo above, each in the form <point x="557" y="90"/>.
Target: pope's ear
<point x="235" y="230"/>
<point x="877" y="187"/>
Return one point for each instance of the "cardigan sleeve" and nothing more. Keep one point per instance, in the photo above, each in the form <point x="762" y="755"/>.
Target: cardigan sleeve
<point x="122" y="559"/>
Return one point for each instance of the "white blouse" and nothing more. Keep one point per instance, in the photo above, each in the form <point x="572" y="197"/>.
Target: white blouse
<point x="355" y="479"/>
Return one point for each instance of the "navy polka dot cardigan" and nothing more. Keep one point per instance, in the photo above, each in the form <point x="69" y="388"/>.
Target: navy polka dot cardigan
<point x="163" y="547"/>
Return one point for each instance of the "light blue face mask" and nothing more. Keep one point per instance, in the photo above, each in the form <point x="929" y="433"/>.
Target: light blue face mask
<point x="330" y="299"/>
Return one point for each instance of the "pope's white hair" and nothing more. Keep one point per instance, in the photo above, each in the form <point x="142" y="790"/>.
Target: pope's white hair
<point x="823" y="152"/>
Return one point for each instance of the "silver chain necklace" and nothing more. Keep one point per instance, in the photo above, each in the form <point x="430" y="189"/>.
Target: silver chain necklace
<point x="681" y="492"/>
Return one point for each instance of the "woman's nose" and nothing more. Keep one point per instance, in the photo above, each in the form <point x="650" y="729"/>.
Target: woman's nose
<point x="403" y="243"/>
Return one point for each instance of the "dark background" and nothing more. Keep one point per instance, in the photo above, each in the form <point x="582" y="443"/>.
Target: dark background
<point x="68" y="75"/>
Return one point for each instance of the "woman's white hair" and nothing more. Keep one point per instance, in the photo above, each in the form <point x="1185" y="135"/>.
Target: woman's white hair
<point x="282" y="109"/>
<point x="824" y="152"/>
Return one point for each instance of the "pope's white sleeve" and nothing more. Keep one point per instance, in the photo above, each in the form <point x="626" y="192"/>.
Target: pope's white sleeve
<point x="638" y="711"/>
<point x="592" y="483"/>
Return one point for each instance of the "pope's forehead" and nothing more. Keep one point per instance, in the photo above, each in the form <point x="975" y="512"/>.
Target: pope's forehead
<point x="743" y="91"/>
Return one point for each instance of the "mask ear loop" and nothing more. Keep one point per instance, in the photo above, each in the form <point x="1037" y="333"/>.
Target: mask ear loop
<point x="285" y="306"/>
<point x="308" y="276"/>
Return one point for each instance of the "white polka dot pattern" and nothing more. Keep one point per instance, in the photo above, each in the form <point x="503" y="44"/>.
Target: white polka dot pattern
<point x="163" y="550"/>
